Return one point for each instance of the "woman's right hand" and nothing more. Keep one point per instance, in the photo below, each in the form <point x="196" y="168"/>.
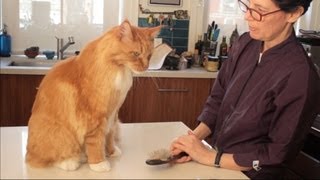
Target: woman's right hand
<point x="194" y="147"/>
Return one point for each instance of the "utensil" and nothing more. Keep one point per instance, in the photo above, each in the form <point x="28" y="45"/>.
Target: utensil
<point x="216" y="34"/>
<point x="163" y="157"/>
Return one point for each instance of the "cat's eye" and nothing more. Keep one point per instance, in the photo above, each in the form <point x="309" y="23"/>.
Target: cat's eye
<point x="135" y="53"/>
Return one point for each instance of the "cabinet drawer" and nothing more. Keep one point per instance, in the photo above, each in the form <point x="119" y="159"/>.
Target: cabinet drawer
<point x="166" y="99"/>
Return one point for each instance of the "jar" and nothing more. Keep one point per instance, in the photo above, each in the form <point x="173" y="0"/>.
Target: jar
<point x="212" y="63"/>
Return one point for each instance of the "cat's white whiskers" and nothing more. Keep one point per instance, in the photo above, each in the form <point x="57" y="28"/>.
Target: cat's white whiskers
<point x="154" y="81"/>
<point x="137" y="81"/>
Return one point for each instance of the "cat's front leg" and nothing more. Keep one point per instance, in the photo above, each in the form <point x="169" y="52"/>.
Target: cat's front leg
<point x="112" y="149"/>
<point x="112" y="138"/>
<point x="95" y="143"/>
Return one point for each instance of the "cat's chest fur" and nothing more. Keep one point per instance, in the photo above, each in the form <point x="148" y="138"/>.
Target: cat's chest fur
<point x="123" y="82"/>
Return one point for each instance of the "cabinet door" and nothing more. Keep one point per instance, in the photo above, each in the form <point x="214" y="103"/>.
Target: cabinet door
<point x="166" y="99"/>
<point x="17" y="96"/>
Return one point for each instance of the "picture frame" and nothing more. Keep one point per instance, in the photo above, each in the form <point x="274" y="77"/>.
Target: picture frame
<point x="166" y="2"/>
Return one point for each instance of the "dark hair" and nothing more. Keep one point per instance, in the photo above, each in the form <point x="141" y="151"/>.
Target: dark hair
<point x="292" y="5"/>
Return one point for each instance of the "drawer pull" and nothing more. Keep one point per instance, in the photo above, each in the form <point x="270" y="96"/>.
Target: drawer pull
<point x="173" y="90"/>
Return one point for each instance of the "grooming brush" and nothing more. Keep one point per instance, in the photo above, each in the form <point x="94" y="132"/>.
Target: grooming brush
<point x="163" y="156"/>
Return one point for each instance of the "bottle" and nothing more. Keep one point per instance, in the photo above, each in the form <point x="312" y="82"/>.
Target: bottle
<point x="197" y="51"/>
<point x="206" y="42"/>
<point x="234" y="36"/>
<point x="205" y="49"/>
<point x="198" y="45"/>
<point x="5" y="42"/>
<point x="223" y="47"/>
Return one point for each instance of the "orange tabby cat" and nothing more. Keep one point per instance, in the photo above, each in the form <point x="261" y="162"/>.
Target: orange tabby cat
<point x="75" y="113"/>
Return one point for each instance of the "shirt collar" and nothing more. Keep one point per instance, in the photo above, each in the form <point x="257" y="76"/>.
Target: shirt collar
<point x="281" y="46"/>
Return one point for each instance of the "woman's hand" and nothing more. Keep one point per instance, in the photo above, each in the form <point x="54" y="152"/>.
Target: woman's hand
<point x="194" y="147"/>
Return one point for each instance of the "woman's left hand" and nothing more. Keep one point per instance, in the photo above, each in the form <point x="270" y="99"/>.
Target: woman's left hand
<point x="194" y="147"/>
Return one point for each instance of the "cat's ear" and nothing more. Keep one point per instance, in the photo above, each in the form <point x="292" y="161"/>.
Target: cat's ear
<point x="155" y="31"/>
<point x="125" y="33"/>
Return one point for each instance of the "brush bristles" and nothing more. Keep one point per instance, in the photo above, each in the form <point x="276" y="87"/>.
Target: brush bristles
<point x="162" y="154"/>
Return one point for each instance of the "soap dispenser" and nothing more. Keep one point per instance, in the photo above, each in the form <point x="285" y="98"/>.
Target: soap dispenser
<point x="5" y="42"/>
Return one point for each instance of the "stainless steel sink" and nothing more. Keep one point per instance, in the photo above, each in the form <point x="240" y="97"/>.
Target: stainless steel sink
<point x="44" y="63"/>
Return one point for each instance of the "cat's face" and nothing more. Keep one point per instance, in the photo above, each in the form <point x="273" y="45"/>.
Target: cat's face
<point x="135" y="46"/>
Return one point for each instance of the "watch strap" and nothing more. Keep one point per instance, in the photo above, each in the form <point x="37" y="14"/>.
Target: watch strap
<point x="218" y="158"/>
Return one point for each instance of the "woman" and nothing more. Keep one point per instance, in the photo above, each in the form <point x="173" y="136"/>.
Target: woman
<point x="264" y="99"/>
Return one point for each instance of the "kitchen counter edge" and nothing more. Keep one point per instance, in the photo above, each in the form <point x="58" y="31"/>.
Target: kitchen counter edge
<point x="193" y="72"/>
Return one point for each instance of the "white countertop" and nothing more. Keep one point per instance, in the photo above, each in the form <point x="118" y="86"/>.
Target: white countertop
<point x="137" y="141"/>
<point x="193" y="72"/>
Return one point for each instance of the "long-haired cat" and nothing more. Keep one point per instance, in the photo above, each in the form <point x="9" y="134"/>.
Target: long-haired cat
<point x="75" y="113"/>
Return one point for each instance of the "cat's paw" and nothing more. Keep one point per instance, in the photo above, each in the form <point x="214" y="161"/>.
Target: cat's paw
<point x="117" y="152"/>
<point x="68" y="164"/>
<point x="101" y="167"/>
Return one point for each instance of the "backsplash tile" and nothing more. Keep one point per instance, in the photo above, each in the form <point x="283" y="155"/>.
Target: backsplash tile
<point x="175" y="33"/>
<point x="182" y="33"/>
<point x="181" y="24"/>
<point x="179" y="42"/>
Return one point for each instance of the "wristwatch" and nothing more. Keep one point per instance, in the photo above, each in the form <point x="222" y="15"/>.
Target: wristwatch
<point x="217" y="159"/>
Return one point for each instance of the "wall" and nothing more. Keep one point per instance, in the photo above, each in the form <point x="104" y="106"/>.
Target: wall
<point x="1" y="13"/>
<point x="130" y="11"/>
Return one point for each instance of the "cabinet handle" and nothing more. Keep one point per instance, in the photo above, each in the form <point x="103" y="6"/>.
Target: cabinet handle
<point x="173" y="90"/>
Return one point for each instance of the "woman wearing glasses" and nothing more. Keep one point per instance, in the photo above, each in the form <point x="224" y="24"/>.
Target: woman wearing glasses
<point x="264" y="99"/>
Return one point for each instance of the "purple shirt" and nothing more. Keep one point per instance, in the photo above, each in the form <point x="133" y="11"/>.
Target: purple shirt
<point x="263" y="111"/>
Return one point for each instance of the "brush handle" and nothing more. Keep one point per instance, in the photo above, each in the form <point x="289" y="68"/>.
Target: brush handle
<point x="169" y="160"/>
<point x="178" y="156"/>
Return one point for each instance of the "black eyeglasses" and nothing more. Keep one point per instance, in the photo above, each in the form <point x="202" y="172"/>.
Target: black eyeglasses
<point x="254" y="13"/>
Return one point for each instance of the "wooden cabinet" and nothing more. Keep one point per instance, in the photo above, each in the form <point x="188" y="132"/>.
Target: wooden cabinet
<point x="17" y="95"/>
<point x="149" y="100"/>
<point x="166" y="99"/>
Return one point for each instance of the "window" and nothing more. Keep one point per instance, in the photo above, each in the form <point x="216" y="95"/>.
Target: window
<point x="60" y="12"/>
<point x="227" y="15"/>
<point x="38" y="22"/>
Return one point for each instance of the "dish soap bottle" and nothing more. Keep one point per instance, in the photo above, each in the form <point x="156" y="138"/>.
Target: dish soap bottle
<point x="5" y="42"/>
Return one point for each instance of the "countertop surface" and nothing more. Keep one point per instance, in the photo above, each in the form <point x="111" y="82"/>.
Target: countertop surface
<point x="6" y="68"/>
<point x="137" y="141"/>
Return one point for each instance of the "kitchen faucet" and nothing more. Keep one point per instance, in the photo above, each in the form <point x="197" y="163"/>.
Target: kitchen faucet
<point x="61" y="48"/>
